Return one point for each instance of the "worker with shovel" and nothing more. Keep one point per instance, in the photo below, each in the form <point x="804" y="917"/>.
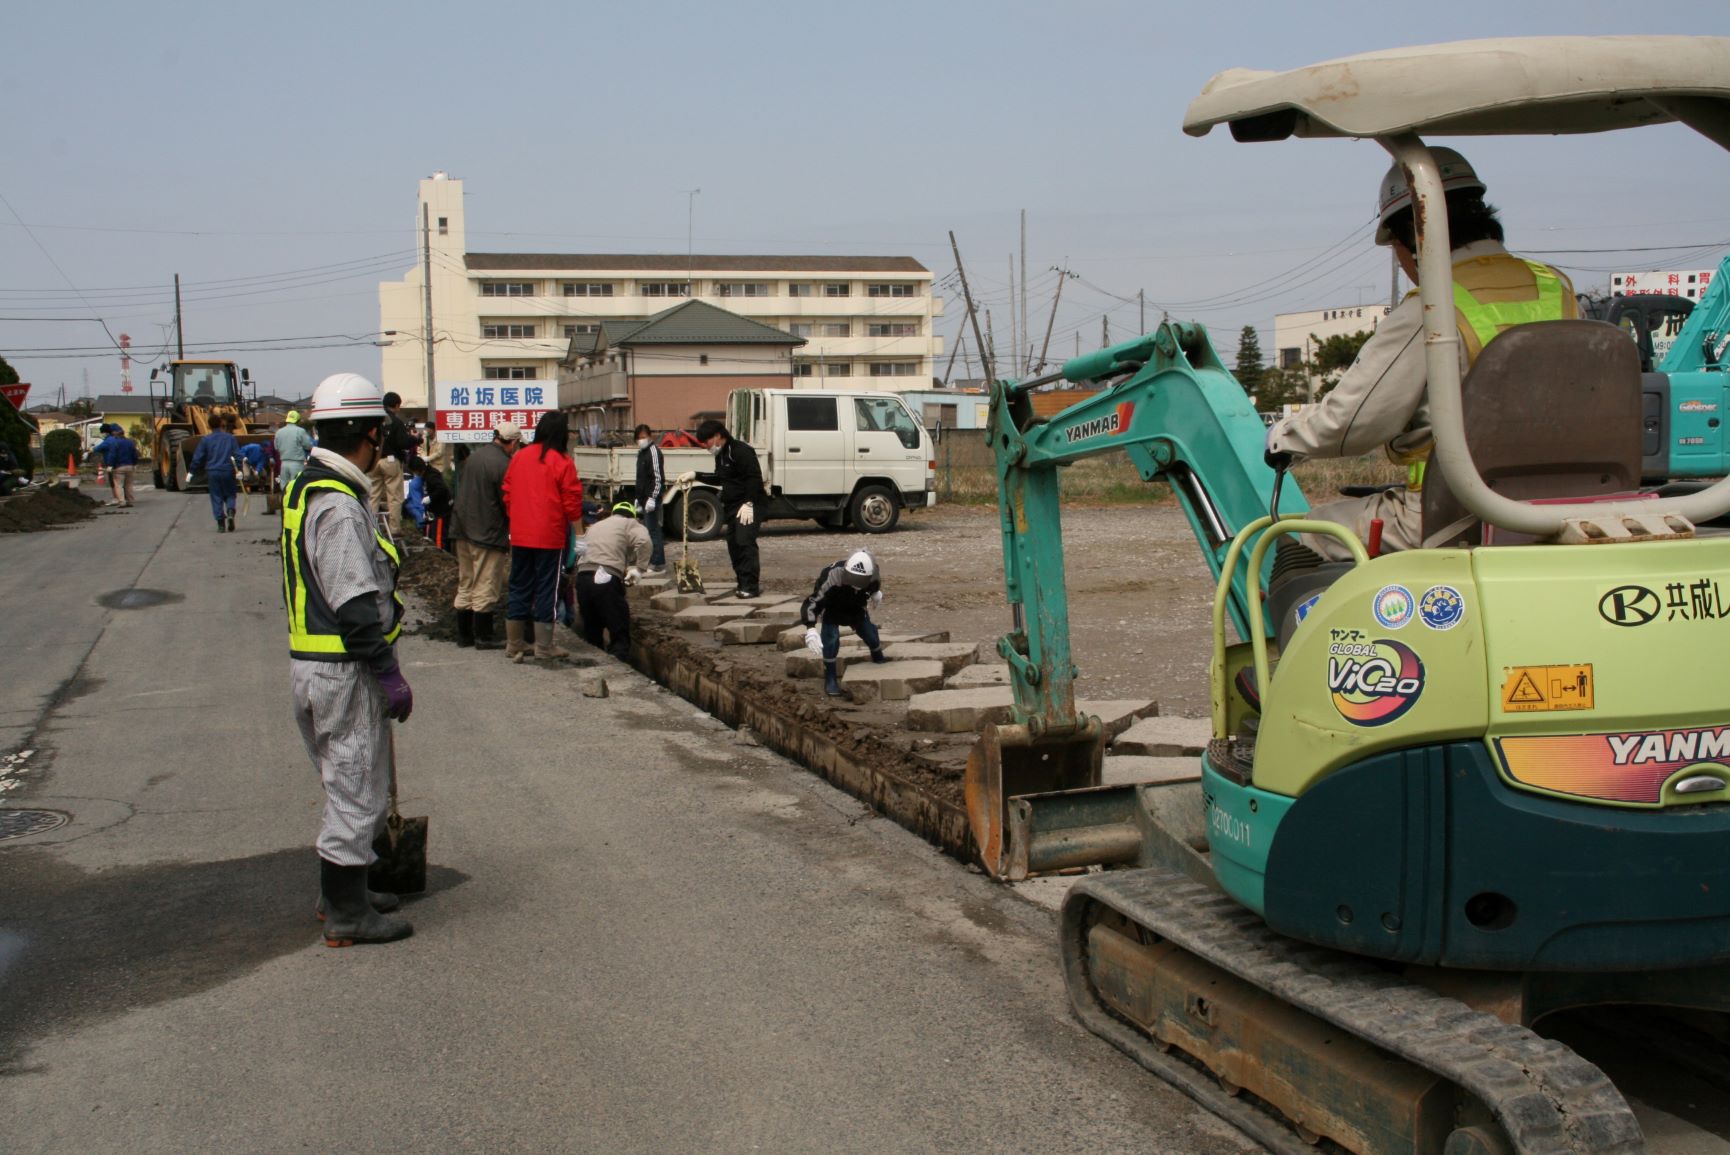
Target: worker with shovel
<point x="339" y="582"/>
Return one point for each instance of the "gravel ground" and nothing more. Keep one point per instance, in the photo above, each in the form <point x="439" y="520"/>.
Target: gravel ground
<point x="1139" y="592"/>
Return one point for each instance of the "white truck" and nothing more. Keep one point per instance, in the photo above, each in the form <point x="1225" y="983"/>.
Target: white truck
<point x="838" y="457"/>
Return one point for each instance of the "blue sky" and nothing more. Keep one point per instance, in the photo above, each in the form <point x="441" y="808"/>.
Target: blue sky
<point x="238" y="144"/>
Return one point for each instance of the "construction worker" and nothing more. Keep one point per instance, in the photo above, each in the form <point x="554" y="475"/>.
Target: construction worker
<point x="387" y="472"/>
<point x="339" y="582"/>
<point x="218" y="454"/>
<point x="651" y="493"/>
<point x="740" y="480"/>
<point x="618" y="549"/>
<point x="482" y="529"/>
<point x="843" y="595"/>
<point x="1381" y="399"/>
<point x="120" y="453"/>
<point x="293" y="446"/>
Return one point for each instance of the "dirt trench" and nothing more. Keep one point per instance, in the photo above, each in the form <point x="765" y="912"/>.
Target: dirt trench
<point x="45" y="507"/>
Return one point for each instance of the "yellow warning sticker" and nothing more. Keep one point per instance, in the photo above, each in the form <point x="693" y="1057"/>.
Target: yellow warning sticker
<point x="1529" y="689"/>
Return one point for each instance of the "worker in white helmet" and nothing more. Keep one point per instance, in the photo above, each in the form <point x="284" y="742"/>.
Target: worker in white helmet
<point x="843" y="595"/>
<point x="339" y="583"/>
<point x="1380" y="401"/>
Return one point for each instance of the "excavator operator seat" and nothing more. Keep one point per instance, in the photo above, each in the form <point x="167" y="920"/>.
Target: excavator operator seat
<point x="1552" y="411"/>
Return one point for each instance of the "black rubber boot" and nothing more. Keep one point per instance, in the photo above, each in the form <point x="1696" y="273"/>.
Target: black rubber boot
<point x="831" y="683"/>
<point x="485" y="638"/>
<point x="348" y="917"/>
<point x="879" y="657"/>
<point x="231" y="523"/>
<point x="465" y="628"/>
<point x="220" y="528"/>
<point x="377" y="899"/>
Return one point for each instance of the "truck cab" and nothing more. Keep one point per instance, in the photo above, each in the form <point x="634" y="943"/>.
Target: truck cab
<point x="840" y="456"/>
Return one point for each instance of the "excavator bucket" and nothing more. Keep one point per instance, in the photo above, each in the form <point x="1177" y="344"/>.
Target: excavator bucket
<point x="1009" y="761"/>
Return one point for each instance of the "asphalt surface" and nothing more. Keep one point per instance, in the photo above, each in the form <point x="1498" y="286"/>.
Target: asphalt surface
<point x="641" y="934"/>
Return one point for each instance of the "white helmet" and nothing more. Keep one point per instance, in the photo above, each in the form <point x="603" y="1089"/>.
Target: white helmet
<point x="859" y="569"/>
<point x="344" y="395"/>
<point x="1395" y="194"/>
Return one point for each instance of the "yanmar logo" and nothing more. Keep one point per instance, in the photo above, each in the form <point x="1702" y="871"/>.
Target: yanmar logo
<point x="1112" y="423"/>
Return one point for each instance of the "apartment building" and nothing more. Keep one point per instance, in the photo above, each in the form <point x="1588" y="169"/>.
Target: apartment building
<point x="510" y="316"/>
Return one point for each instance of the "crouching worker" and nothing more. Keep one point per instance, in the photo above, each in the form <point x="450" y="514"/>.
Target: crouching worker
<point x="843" y="596"/>
<point x="618" y="549"/>
<point x="339" y="581"/>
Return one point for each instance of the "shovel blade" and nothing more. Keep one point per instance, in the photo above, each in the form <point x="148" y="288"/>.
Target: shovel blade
<point x="401" y="850"/>
<point x="689" y="580"/>
<point x="1007" y="762"/>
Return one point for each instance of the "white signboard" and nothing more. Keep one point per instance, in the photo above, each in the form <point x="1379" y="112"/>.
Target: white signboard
<point x="468" y="410"/>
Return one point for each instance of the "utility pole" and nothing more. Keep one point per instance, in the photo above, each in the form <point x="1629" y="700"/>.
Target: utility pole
<point x="960" y="339"/>
<point x="179" y="330"/>
<point x="1141" y="297"/>
<point x="1105" y="332"/>
<point x="991" y="343"/>
<point x="972" y="314"/>
<point x="426" y="301"/>
<point x="1014" y="334"/>
<point x="1062" y="276"/>
<point x="1393" y="277"/>
<point x="1026" y="334"/>
<point x="690" y="225"/>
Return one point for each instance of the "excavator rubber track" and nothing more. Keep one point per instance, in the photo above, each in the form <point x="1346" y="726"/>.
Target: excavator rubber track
<point x="1544" y="1097"/>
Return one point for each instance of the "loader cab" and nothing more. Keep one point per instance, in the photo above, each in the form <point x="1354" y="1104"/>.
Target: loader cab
<point x="202" y="385"/>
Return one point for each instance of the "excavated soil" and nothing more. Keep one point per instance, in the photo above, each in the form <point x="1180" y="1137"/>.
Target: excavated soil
<point x="428" y="583"/>
<point x="46" y="507"/>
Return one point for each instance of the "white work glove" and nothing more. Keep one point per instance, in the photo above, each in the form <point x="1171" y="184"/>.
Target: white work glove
<point x="877" y="598"/>
<point x="633" y="576"/>
<point x="814" y="641"/>
<point x="683" y="481"/>
<point x="649" y="506"/>
<point x="747" y="514"/>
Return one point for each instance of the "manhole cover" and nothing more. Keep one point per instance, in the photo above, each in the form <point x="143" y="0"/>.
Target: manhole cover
<point x="19" y="823"/>
<point x="137" y="599"/>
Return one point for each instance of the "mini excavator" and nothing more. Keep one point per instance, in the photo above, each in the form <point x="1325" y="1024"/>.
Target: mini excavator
<point x="1458" y="800"/>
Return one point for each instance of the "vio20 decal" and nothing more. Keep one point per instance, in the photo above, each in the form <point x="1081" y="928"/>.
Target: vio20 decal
<point x="1374" y="683"/>
<point x="1628" y="767"/>
<point x="1111" y="424"/>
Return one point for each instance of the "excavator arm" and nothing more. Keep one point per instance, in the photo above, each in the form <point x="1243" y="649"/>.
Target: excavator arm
<point x="1180" y="417"/>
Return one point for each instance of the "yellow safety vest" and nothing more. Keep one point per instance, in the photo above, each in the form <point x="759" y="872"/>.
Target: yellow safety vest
<point x="312" y="626"/>
<point x="1494" y="293"/>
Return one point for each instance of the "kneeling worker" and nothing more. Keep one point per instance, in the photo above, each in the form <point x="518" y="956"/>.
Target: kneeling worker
<point x="618" y="549"/>
<point x="843" y="596"/>
<point x="339" y="580"/>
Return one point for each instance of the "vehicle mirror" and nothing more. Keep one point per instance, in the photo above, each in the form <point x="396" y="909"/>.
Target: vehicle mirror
<point x="246" y="374"/>
<point x="154" y="372"/>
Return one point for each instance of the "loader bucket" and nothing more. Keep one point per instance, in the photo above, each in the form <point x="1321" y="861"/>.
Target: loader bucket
<point x="1009" y="761"/>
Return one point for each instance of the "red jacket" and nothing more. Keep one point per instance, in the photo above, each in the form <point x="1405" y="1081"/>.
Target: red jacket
<point x="542" y="498"/>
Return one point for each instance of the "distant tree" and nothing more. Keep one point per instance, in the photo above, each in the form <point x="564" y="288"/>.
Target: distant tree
<point x="141" y="434"/>
<point x="1249" y="368"/>
<point x="8" y="375"/>
<point x="13" y="430"/>
<point x="83" y="407"/>
<point x="1333" y="357"/>
<point x="1282" y="387"/>
<point x="60" y="444"/>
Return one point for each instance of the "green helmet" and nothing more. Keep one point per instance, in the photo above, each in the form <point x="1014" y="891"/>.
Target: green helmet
<point x="626" y="508"/>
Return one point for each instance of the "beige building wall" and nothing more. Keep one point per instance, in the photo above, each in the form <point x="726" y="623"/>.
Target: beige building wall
<point x="1296" y="335"/>
<point x="858" y="331"/>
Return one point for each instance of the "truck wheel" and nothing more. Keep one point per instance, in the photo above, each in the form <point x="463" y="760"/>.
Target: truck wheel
<point x="875" y="510"/>
<point x="699" y="516"/>
<point x="171" y="457"/>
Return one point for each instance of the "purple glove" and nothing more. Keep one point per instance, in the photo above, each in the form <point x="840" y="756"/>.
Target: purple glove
<point x="399" y="698"/>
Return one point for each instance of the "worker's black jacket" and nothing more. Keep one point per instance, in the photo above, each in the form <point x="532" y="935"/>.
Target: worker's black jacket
<point x="739" y="477"/>
<point x="832" y="600"/>
<point x="651" y="474"/>
<point x="437" y="500"/>
<point x="398" y="441"/>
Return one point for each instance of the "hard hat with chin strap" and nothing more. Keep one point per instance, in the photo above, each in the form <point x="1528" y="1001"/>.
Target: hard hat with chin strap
<point x="626" y="508"/>
<point x="1395" y="193"/>
<point x="342" y="396"/>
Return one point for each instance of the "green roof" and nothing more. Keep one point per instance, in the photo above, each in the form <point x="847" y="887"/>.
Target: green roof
<point x="696" y="323"/>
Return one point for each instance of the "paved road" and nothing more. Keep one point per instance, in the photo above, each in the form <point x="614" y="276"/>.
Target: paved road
<point x="641" y="934"/>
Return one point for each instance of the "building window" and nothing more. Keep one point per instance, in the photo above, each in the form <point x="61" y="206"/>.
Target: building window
<point x="834" y="290"/>
<point x="742" y="289"/>
<point x="664" y="288"/>
<point x="894" y="368"/>
<point x="702" y="358"/>
<point x="587" y="289"/>
<point x="893" y="329"/>
<point x="835" y="329"/>
<point x="838" y="368"/>
<point x="507" y="288"/>
<point x="803" y="368"/>
<point x="800" y="328"/>
<point x="889" y="290"/>
<point x="510" y="373"/>
<point x="583" y="327"/>
<point x="1290" y="358"/>
<point x="444" y="226"/>
<point x="799" y="288"/>
<point x="498" y="332"/>
<point x="812" y="414"/>
<point x="940" y="416"/>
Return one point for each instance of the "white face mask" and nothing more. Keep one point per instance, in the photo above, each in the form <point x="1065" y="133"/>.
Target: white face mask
<point x="715" y="449"/>
<point x="642" y="443"/>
